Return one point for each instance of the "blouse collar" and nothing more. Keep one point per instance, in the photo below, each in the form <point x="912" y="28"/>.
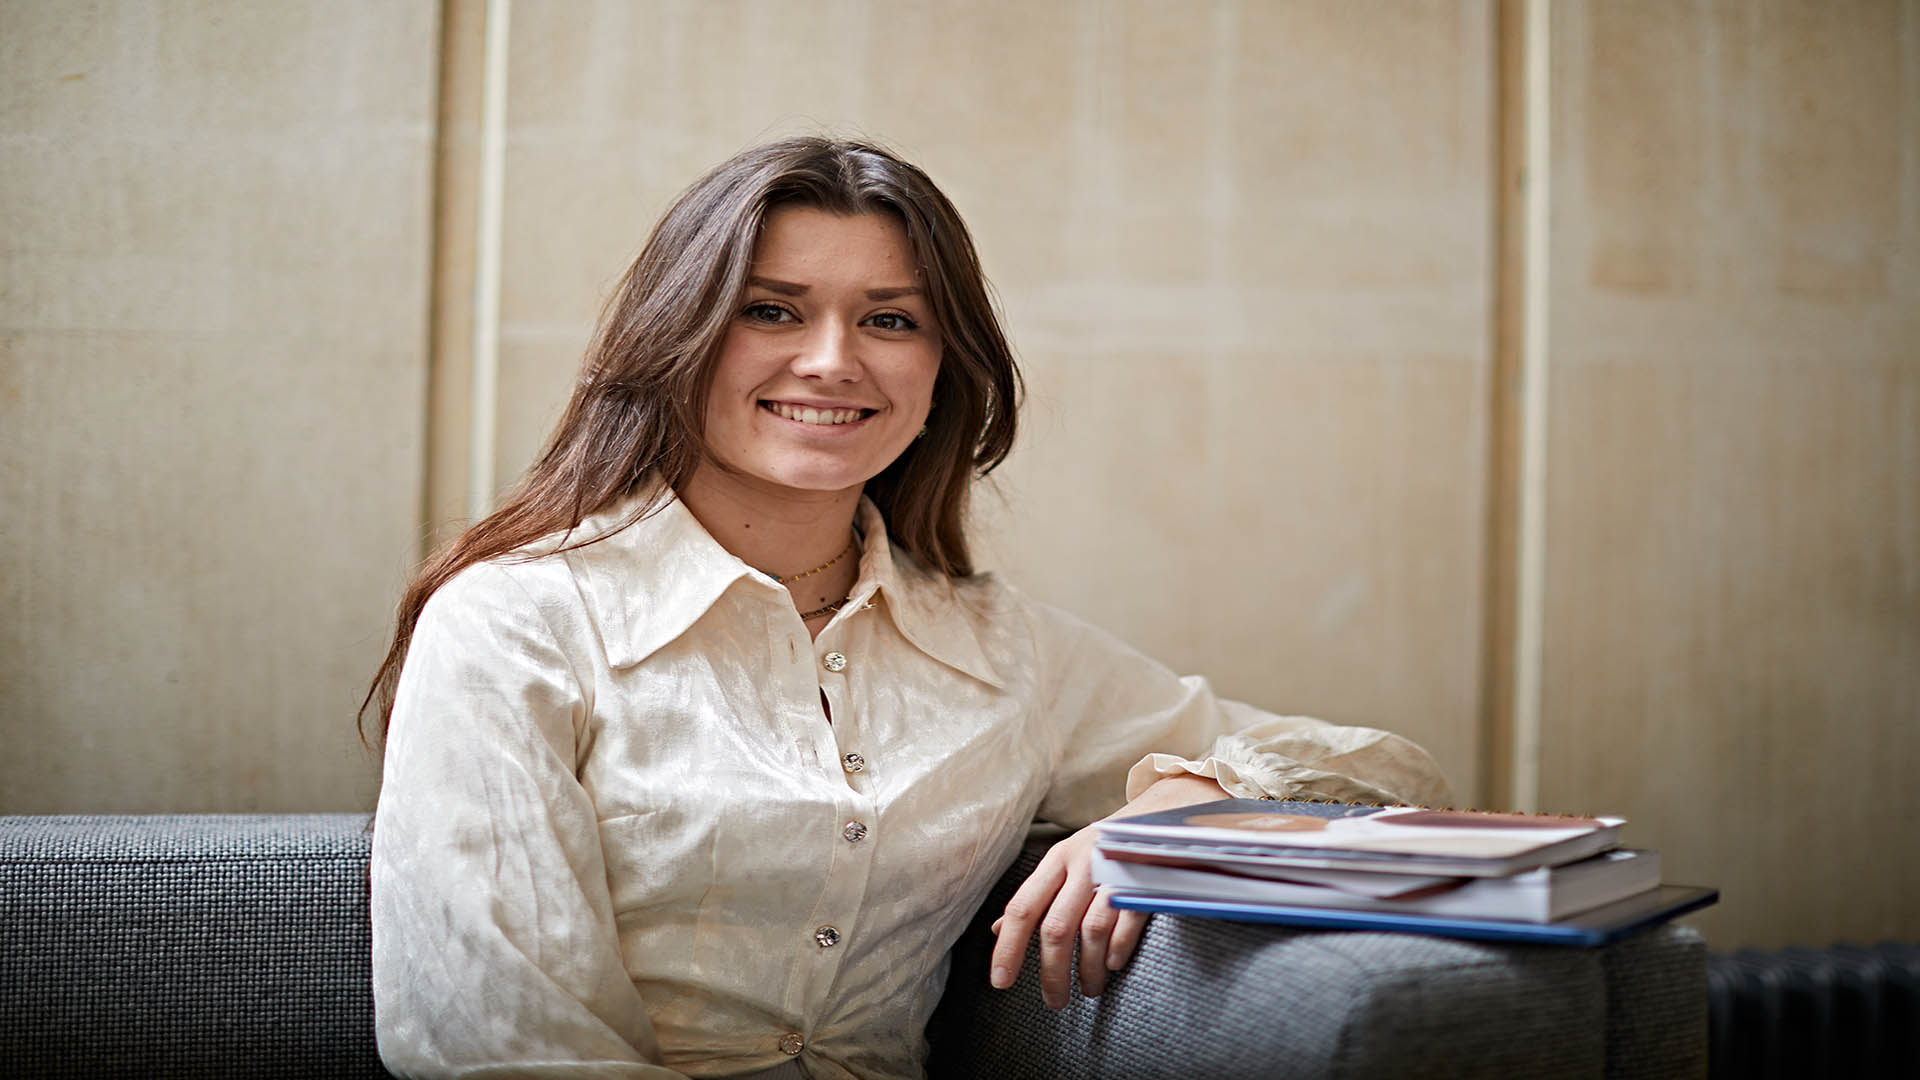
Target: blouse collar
<point x="650" y="582"/>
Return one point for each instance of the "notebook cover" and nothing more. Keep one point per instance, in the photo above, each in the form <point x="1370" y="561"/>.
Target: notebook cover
<point x="1599" y="926"/>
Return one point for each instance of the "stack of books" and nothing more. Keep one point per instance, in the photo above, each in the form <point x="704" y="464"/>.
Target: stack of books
<point x="1459" y="873"/>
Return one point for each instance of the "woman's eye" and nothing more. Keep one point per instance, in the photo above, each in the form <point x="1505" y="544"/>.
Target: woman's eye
<point x="766" y="313"/>
<point x="892" y="320"/>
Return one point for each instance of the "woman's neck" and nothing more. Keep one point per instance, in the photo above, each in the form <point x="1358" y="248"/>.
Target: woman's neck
<point x="783" y="534"/>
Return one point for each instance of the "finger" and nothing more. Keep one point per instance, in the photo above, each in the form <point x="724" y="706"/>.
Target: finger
<point x="1096" y="931"/>
<point x="1058" y="932"/>
<point x="1014" y="929"/>
<point x="1126" y="937"/>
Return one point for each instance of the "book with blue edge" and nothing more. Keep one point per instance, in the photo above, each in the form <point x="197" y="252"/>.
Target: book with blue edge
<point x="1459" y="873"/>
<point x="1599" y="926"/>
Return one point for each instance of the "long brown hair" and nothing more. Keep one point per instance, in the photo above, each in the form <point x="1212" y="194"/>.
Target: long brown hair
<point x="634" y="423"/>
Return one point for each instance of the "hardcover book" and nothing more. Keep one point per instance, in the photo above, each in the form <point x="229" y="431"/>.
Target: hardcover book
<point x="1337" y="836"/>
<point x="1540" y="895"/>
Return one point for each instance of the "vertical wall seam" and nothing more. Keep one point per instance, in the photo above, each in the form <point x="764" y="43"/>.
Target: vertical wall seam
<point x="1530" y="587"/>
<point x="1495" y="686"/>
<point x="485" y="388"/>
<point x="430" y="373"/>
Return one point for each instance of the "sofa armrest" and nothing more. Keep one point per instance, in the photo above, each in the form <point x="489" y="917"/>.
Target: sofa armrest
<point x="203" y="945"/>
<point x="1657" y="1005"/>
<point x="1205" y="997"/>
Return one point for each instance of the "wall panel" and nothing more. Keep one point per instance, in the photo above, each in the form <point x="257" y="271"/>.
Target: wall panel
<point x="1733" y="607"/>
<point x="211" y="404"/>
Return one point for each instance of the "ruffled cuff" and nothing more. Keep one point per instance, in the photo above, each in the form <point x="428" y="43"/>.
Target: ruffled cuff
<point x="1154" y="768"/>
<point x="1277" y="779"/>
<point x="1284" y="758"/>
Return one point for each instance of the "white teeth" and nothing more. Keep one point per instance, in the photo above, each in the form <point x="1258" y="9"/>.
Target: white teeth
<point x="807" y="415"/>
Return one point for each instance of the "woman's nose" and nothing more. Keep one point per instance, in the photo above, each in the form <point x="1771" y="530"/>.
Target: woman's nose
<point x="830" y="352"/>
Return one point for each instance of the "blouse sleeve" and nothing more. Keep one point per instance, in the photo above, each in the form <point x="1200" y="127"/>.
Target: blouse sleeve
<point x="1123" y="721"/>
<point x="494" y="946"/>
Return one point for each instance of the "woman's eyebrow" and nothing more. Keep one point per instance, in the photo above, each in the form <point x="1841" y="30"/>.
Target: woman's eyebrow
<point x="784" y="288"/>
<point x="794" y="288"/>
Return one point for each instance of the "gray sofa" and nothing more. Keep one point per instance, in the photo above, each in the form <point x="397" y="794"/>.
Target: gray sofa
<point x="222" y="945"/>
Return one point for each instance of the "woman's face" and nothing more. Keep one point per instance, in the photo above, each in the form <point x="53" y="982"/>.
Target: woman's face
<point x="826" y="373"/>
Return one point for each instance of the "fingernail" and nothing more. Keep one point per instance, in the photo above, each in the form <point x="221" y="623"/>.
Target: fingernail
<point x="1116" y="961"/>
<point x="1000" y="978"/>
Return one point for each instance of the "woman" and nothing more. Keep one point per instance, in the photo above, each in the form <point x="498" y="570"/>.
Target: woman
<point x="703" y="749"/>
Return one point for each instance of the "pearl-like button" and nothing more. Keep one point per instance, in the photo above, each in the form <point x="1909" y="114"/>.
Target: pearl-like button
<point x="854" y="763"/>
<point x="827" y="937"/>
<point x="834" y="661"/>
<point x="791" y="1043"/>
<point x="854" y="831"/>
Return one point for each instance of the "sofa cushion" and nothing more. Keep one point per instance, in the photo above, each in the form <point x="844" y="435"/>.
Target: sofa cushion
<point x="206" y="945"/>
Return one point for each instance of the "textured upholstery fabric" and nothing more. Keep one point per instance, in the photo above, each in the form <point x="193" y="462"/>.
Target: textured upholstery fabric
<point x="1657" y="1005"/>
<point x="1227" y="1000"/>
<point x="229" y="946"/>
<point x="185" y="946"/>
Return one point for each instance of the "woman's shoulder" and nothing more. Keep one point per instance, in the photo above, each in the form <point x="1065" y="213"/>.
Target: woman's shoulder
<point x="536" y="575"/>
<point x="495" y="587"/>
<point x="984" y="595"/>
<point x="1009" y="619"/>
<point x="542" y="569"/>
<point x="1048" y="629"/>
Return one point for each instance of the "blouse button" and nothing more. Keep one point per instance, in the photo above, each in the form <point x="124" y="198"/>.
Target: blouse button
<point x="791" y="1043"/>
<point x="827" y="937"/>
<point x="854" y="831"/>
<point x="834" y="661"/>
<point x="854" y="763"/>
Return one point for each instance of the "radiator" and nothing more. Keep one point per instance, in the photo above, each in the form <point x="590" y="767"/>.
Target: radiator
<point x="1845" y="1011"/>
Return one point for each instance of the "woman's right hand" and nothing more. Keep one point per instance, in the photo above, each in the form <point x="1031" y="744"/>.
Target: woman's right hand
<point x="1060" y="900"/>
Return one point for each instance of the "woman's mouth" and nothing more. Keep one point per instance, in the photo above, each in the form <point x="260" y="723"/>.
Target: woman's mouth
<point x="807" y="414"/>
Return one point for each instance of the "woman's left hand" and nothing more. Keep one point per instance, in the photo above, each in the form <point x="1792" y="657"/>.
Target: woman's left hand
<point x="1059" y="898"/>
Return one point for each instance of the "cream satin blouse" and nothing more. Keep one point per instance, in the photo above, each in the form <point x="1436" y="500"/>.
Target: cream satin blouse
<point x="618" y="837"/>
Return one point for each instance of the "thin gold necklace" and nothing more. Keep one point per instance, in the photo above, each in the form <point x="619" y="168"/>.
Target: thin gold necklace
<point x="852" y="542"/>
<point x="829" y="609"/>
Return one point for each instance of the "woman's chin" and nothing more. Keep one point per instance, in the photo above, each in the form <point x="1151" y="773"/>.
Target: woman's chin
<point x="792" y="472"/>
<point x="811" y="482"/>
<point x="819" y="472"/>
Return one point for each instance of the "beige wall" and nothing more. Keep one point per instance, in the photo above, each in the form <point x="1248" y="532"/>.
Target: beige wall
<point x="214" y="328"/>
<point x="1249" y="253"/>
<point x="1733" y="606"/>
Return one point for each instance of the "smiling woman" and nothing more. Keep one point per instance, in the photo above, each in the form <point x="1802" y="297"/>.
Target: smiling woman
<point x="677" y="785"/>
<point x="823" y="379"/>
